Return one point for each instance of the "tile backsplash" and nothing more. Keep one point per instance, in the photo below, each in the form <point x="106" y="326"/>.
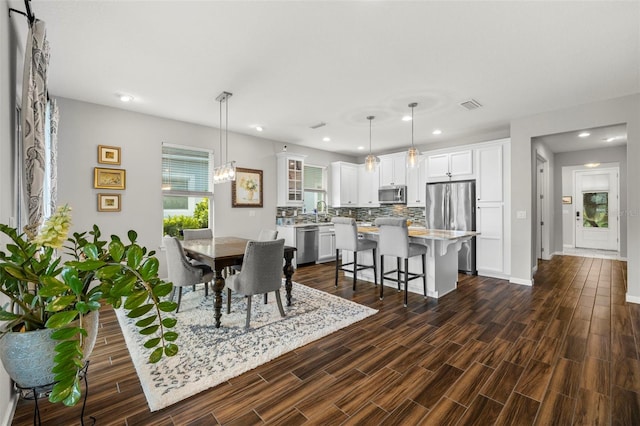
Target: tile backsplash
<point x="361" y="214"/>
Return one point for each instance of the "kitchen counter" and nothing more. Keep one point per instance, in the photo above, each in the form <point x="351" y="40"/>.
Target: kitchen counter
<point x="422" y="232"/>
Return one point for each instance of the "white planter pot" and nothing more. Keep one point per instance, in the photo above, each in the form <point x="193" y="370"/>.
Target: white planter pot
<point x="28" y="357"/>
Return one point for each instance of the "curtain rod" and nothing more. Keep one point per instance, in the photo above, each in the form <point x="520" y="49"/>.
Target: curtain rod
<point x="29" y="14"/>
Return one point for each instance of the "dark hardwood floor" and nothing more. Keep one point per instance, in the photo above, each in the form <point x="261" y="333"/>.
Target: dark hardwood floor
<point x="564" y="351"/>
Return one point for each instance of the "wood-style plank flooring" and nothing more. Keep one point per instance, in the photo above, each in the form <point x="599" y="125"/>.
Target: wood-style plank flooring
<point x="565" y="351"/>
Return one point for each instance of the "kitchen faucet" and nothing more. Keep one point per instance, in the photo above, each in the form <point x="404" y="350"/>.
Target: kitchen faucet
<point x="320" y="205"/>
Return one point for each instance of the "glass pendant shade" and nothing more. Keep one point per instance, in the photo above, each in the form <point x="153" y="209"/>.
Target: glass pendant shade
<point x="225" y="172"/>
<point x="412" y="154"/>
<point x="371" y="161"/>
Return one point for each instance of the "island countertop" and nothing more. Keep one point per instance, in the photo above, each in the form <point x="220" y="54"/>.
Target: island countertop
<point x="429" y="234"/>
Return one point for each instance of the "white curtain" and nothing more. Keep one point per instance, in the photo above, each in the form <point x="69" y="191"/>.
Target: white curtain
<point x="34" y="102"/>
<point x="54" y="117"/>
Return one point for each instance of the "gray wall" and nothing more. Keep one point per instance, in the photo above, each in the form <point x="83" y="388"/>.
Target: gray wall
<point x="616" y="154"/>
<point x="614" y="111"/>
<point x="84" y="126"/>
<point x="10" y="60"/>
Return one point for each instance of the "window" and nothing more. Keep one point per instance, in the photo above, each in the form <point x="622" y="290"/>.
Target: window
<point x="595" y="212"/>
<point x="187" y="187"/>
<point x="315" y="189"/>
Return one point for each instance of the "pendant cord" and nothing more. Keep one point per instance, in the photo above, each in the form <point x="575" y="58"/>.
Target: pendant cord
<point x="220" y="132"/>
<point x="226" y="131"/>
<point x="412" y="127"/>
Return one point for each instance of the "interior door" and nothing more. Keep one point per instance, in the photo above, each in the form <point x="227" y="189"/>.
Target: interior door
<point x="596" y="212"/>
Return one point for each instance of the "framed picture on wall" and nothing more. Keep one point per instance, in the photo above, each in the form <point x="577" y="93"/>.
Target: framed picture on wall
<point x="109" y="178"/>
<point x="108" y="155"/>
<point x="108" y="202"/>
<point x="246" y="190"/>
<point x="567" y="199"/>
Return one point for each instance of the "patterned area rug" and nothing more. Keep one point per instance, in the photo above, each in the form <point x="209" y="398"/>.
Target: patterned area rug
<point x="210" y="356"/>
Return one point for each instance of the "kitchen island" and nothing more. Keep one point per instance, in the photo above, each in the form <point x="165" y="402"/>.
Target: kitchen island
<point x="442" y="258"/>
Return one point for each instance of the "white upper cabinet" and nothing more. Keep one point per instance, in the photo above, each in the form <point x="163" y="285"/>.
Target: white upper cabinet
<point x="344" y="184"/>
<point x="417" y="183"/>
<point x="368" y="184"/>
<point x="393" y="169"/>
<point x="457" y="165"/>
<point x="290" y="179"/>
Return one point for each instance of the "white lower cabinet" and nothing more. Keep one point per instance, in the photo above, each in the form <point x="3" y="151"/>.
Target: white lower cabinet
<point x="326" y="244"/>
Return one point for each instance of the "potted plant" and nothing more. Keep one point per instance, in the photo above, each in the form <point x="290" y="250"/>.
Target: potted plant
<point x="55" y="294"/>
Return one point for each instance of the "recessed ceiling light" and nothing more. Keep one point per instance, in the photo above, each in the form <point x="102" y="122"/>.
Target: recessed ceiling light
<point x="326" y="139"/>
<point x="437" y="132"/>
<point x="584" y="134"/>
<point x="126" y="98"/>
<point x="406" y="118"/>
<point x="259" y="128"/>
<point x="592" y="164"/>
<point x="360" y="148"/>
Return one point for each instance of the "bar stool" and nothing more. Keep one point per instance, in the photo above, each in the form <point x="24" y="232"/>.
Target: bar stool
<point x="347" y="239"/>
<point x="394" y="241"/>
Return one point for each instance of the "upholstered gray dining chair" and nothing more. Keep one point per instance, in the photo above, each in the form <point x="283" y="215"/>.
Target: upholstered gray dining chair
<point x="181" y="272"/>
<point x="265" y="235"/>
<point x="394" y="241"/>
<point x="197" y="234"/>
<point x="347" y="239"/>
<point x="261" y="273"/>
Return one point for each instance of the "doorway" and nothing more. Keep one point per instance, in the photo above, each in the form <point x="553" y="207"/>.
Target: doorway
<point x="596" y="209"/>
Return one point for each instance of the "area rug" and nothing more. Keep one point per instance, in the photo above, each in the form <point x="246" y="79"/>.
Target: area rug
<point x="210" y="356"/>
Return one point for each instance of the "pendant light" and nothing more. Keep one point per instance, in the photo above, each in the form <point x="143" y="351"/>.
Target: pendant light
<point x="226" y="171"/>
<point x="412" y="155"/>
<point x="371" y="161"/>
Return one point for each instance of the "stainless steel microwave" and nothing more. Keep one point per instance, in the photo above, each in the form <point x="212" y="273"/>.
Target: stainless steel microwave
<point x="394" y="194"/>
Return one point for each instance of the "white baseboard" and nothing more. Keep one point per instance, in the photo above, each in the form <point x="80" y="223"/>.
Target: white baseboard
<point x="492" y="274"/>
<point x="513" y="280"/>
<point x="633" y="299"/>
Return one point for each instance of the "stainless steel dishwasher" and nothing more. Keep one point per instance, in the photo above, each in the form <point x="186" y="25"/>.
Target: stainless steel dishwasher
<point x="306" y="244"/>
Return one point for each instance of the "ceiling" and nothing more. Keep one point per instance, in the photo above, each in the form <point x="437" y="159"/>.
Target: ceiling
<point x="292" y="65"/>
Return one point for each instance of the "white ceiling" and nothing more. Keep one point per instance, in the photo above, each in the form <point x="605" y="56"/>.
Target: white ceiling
<point x="291" y="65"/>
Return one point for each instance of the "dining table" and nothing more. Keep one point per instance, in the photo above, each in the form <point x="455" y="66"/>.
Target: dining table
<point x="223" y="252"/>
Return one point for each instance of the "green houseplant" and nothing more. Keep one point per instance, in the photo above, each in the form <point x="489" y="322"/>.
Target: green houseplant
<point x="46" y="291"/>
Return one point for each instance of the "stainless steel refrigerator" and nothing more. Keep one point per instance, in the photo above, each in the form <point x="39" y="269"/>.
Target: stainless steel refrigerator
<point x="452" y="205"/>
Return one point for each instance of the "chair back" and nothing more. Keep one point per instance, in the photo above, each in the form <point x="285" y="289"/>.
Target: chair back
<point x="179" y="270"/>
<point x="267" y="235"/>
<point x="197" y="234"/>
<point x="346" y="233"/>
<point x="261" y="267"/>
<point x="394" y="236"/>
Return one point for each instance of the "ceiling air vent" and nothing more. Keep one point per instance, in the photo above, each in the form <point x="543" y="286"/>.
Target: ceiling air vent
<point x="471" y="104"/>
<point x="317" y="126"/>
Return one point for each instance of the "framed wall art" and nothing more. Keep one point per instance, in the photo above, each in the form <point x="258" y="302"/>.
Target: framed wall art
<point x="567" y="199"/>
<point x="108" y="202"/>
<point x="246" y="190"/>
<point x="109" y="155"/>
<point x="109" y="178"/>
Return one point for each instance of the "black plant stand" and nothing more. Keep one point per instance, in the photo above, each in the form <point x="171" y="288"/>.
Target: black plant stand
<point x="39" y="392"/>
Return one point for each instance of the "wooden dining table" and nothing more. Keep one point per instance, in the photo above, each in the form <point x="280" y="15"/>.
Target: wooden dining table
<point x="223" y="252"/>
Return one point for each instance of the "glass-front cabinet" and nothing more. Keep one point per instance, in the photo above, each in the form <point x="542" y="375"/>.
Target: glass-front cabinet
<point x="290" y="179"/>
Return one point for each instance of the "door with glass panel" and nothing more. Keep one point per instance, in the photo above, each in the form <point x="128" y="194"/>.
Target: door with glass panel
<point x="596" y="213"/>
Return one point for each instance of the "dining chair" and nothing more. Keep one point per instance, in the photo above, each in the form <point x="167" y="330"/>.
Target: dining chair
<point x="265" y="235"/>
<point x="347" y="239"/>
<point x="197" y="234"/>
<point x="394" y="241"/>
<point x="183" y="273"/>
<point x="261" y="273"/>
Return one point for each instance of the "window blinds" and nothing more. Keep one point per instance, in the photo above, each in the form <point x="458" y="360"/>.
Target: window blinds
<point x="186" y="171"/>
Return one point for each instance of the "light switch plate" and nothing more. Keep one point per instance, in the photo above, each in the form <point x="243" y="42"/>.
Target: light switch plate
<point x="521" y="214"/>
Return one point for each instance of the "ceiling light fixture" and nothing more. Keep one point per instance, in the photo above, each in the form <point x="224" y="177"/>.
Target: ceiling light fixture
<point x="225" y="172"/>
<point x="371" y="161"/>
<point x="126" y="98"/>
<point x="436" y="132"/>
<point x="591" y="165"/>
<point x="406" y="118"/>
<point x="259" y="128"/>
<point x="584" y="135"/>
<point x="326" y="139"/>
<point x="412" y="155"/>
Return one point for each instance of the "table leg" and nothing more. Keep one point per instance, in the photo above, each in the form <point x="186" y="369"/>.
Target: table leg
<point x="218" y="286"/>
<point x="288" y="273"/>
